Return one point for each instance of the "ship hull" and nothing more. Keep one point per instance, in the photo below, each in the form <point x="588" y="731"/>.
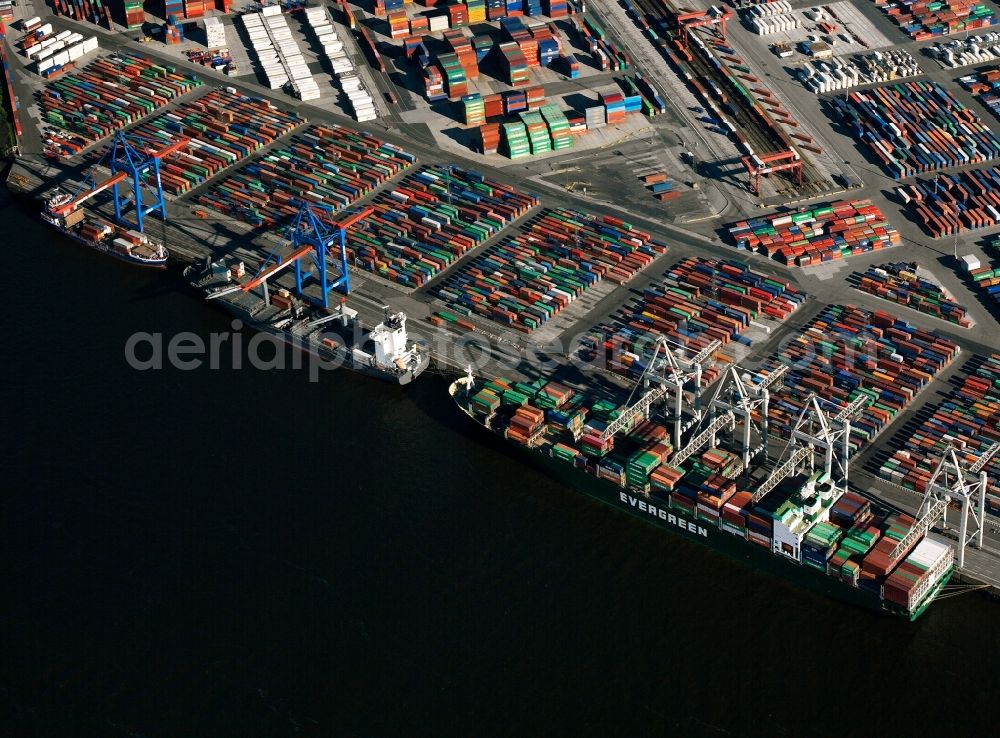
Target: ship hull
<point x="659" y="512"/>
<point x="337" y="355"/>
<point x="102" y="248"/>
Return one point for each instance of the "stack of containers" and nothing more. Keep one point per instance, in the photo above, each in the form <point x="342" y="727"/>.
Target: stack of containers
<point x="111" y="93"/>
<point x="489" y="135"/>
<point x="215" y="33"/>
<point x="820" y="544"/>
<point x="430" y="220"/>
<point x="930" y="561"/>
<point x="51" y="63"/>
<point x="399" y="24"/>
<point x="614" y="106"/>
<point x="456" y="82"/>
<point x="362" y="104"/>
<point x="824" y="233"/>
<point x="987" y="278"/>
<point x="595" y="117"/>
<point x="922" y="20"/>
<point x="495" y="9"/>
<point x="462" y="48"/>
<point x="513" y="65"/>
<point x="952" y="203"/>
<point x="558" y="127"/>
<point x="194" y="8"/>
<point x="968" y="418"/>
<point x="482" y="45"/>
<point x="267" y="55"/>
<point x="224" y="128"/>
<point x="473" y="110"/>
<point x="847" y="352"/>
<point x="880" y="560"/>
<point x="476" y="11"/>
<point x="531" y="7"/>
<point x="515" y="140"/>
<point x="382" y="7"/>
<point x="896" y="283"/>
<point x="534" y="97"/>
<point x="556" y="8"/>
<point x="433" y="84"/>
<point x="917" y="127"/>
<point x="493" y="106"/>
<point x="135" y="16"/>
<point x="538" y="135"/>
<point x="173" y="32"/>
<point x="697" y="301"/>
<point x="515" y="102"/>
<point x="438" y="23"/>
<point x="420" y="25"/>
<point x="525" y="280"/>
<point x="324" y="164"/>
<point x="457" y="15"/>
<point x="524" y="425"/>
<point x="173" y="8"/>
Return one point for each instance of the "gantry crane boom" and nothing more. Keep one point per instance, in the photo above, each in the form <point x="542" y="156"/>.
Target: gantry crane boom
<point x="73" y="204"/>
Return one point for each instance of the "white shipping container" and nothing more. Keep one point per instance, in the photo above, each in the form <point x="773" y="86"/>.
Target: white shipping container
<point x="90" y="44"/>
<point x="61" y="58"/>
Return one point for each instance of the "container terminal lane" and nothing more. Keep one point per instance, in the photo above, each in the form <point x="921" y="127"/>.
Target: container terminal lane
<point x="591" y="180"/>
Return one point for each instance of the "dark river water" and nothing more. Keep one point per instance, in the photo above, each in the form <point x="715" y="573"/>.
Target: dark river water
<point x="224" y="552"/>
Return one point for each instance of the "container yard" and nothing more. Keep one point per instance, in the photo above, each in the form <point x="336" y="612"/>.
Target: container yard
<point x="984" y="85"/>
<point x="698" y="301"/>
<point x="837" y="74"/>
<point x="90" y="103"/>
<point x="223" y="128"/>
<point x="902" y="283"/>
<point x="922" y="20"/>
<point x="915" y="127"/>
<point x="968" y="418"/>
<point x="323" y="164"/>
<point x="526" y="279"/>
<point x="964" y="52"/>
<point x="846" y="352"/>
<point x="824" y="233"/>
<point x="513" y="173"/>
<point x="429" y="220"/>
<point x="952" y="203"/>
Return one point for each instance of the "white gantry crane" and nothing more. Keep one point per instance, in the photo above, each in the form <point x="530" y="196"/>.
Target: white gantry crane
<point x="815" y="430"/>
<point x="955" y="480"/>
<point x="749" y="402"/>
<point x="669" y="372"/>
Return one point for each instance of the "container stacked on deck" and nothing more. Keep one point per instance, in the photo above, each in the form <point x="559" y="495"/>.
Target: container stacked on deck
<point x="429" y="220"/>
<point x="922" y="20"/>
<point x="909" y="583"/>
<point x="697" y="301"/>
<point x="824" y="233"/>
<point x="323" y="164"/>
<point x="896" y="283"/>
<point x="917" y="127"/>
<point x="111" y="93"/>
<point x="224" y="129"/>
<point x="967" y="419"/>
<point x="845" y="352"/>
<point x="952" y="203"/>
<point x="560" y="254"/>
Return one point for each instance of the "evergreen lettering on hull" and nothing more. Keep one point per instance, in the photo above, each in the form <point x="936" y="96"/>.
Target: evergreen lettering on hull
<point x="662" y="514"/>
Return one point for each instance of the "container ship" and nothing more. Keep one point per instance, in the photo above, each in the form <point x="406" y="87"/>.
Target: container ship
<point x="62" y="211"/>
<point x="805" y="527"/>
<point x="384" y="351"/>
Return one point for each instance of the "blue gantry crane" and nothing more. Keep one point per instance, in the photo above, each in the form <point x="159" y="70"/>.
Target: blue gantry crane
<point x="143" y="167"/>
<point x="310" y="228"/>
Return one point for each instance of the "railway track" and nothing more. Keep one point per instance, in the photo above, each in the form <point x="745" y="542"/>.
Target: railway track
<point x="707" y="80"/>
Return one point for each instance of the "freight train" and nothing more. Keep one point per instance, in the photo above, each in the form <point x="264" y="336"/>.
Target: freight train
<point x="807" y="528"/>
